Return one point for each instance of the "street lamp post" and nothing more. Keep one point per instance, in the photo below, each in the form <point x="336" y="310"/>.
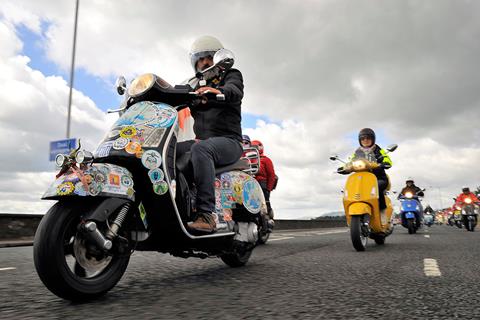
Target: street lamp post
<point x="72" y="67"/>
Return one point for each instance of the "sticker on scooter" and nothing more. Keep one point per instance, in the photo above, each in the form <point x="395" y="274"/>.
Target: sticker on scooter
<point x="156" y="175"/>
<point x="103" y="150"/>
<point x="154" y="139"/>
<point x="120" y="143"/>
<point x="151" y="159"/>
<point x="160" y="188"/>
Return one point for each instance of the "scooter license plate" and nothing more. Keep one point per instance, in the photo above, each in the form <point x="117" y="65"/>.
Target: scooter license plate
<point x="409" y="215"/>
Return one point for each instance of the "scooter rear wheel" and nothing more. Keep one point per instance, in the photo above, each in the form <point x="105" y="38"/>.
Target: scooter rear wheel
<point x="359" y="240"/>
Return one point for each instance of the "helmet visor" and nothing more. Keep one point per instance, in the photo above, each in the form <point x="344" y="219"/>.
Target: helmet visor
<point x="194" y="57"/>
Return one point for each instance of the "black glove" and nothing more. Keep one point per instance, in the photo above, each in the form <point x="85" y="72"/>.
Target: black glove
<point x="341" y="170"/>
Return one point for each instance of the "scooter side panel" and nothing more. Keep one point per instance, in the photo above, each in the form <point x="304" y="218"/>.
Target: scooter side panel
<point x="99" y="179"/>
<point x="237" y="188"/>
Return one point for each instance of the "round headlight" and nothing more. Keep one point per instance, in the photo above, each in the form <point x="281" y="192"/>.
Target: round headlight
<point x="408" y="195"/>
<point x="141" y="84"/>
<point x="359" y="165"/>
<point x="60" y="160"/>
<point x="468" y="200"/>
<point x="80" y="157"/>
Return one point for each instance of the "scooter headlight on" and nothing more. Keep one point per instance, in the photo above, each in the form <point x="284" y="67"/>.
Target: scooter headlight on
<point x="408" y="195"/>
<point x="468" y="200"/>
<point x="141" y="84"/>
<point x="359" y="165"/>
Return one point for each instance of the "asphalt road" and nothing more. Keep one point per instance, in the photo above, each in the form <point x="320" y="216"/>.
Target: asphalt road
<point x="434" y="274"/>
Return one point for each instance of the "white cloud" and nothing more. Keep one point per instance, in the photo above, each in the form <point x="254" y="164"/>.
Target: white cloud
<point x="321" y="70"/>
<point x="33" y="113"/>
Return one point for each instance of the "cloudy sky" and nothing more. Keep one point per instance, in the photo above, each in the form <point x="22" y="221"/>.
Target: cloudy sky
<point x="315" y="73"/>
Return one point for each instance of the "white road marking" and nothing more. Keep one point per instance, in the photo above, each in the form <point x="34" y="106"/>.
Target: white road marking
<point x="431" y="269"/>
<point x="281" y="238"/>
<point x="6" y="269"/>
<point x="427" y="236"/>
<point x="292" y="235"/>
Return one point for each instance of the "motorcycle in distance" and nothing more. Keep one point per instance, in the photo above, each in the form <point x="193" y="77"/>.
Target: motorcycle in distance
<point x="411" y="211"/>
<point x="428" y="219"/>
<point x="361" y="204"/>
<point x="470" y="211"/>
<point x="252" y="155"/>
<point x="456" y="217"/>
<point x="132" y="194"/>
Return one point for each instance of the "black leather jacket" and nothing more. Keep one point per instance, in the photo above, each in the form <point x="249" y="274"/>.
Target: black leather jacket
<point x="221" y="118"/>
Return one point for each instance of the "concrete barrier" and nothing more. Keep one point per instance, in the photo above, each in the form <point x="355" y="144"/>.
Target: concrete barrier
<point x="19" y="229"/>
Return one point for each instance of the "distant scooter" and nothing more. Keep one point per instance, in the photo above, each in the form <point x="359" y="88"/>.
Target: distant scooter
<point x="411" y="211"/>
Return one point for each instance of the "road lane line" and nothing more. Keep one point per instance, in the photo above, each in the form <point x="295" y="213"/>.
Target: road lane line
<point x="282" y="238"/>
<point x="427" y="236"/>
<point x="8" y="268"/>
<point x="430" y="267"/>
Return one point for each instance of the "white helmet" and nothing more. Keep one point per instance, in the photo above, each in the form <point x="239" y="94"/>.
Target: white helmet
<point x="203" y="47"/>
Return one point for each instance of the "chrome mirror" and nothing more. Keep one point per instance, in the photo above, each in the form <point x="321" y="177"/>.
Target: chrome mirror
<point x="392" y="147"/>
<point x="224" y="59"/>
<point x="121" y="85"/>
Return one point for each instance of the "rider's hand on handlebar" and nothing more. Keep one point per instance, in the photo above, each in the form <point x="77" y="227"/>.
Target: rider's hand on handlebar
<point x="341" y="170"/>
<point x="204" y="91"/>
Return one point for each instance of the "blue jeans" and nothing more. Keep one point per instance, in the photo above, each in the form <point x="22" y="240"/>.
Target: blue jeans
<point x="206" y="156"/>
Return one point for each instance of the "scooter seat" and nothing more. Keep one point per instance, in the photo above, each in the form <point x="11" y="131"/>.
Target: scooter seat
<point x="241" y="164"/>
<point x="183" y="163"/>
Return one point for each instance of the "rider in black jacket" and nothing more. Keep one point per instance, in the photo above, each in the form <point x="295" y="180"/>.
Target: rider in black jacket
<point x="218" y="131"/>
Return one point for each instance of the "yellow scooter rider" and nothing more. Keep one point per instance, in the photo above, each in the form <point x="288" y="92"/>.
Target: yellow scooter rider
<point x="366" y="139"/>
<point x="367" y="210"/>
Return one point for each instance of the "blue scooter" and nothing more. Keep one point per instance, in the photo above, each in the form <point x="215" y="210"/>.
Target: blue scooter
<point x="411" y="212"/>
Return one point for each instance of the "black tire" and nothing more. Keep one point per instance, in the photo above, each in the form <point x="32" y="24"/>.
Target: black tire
<point x="359" y="241"/>
<point x="263" y="237"/>
<point x="380" y="240"/>
<point x="238" y="258"/>
<point x="410" y="226"/>
<point x="53" y="246"/>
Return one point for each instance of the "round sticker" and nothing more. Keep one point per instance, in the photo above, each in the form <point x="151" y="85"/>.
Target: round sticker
<point x="88" y="178"/>
<point x="160" y="188"/>
<point x="139" y="154"/>
<point x="94" y="189"/>
<point x="65" y="188"/>
<point x="151" y="159"/>
<point x="156" y="175"/>
<point x="126" y="181"/>
<point x="128" y="132"/>
<point x="80" y="190"/>
<point x="133" y="147"/>
<point x="120" y="143"/>
<point x="100" y="177"/>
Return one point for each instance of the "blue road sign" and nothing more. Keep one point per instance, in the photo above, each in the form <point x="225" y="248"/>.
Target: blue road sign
<point x="61" y="146"/>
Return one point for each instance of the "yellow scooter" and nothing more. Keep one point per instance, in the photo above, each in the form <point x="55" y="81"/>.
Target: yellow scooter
<point x="360" y="202"/>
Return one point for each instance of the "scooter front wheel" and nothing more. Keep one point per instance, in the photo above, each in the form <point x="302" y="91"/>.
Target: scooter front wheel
<point x="411" y="226"/>
<point x="359" y="239"/>
<point x="60" y="251"/>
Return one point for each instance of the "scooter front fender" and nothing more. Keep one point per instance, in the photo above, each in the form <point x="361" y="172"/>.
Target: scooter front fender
<point x="359" y="208"/>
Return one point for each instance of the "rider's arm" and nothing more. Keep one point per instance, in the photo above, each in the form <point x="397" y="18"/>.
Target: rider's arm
<point x="386" y="161"/>
<point x="232" y="86"/>
<point x="270" y="173"/>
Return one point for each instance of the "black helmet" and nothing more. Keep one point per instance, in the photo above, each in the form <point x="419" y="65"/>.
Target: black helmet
<point x="366" y="132"/>
<point x="410" y="180"/>
<point x="466" y="189"/>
